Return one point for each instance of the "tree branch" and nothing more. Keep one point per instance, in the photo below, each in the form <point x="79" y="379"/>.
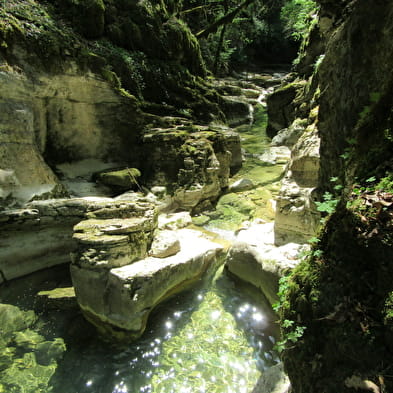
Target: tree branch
<point x="224" y="20"/>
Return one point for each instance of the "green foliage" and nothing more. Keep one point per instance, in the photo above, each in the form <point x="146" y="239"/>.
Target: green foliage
<point x="389" y="308"/>
<point x="296" y="15"/>
<point x="328" y="205"/>
<point x="318" y="63"/>
<point x="385" y="184"/>
<point x="291" y="331"/>
<point x="256" y="27"/>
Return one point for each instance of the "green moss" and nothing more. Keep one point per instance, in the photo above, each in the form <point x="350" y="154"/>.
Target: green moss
<point x="231" y="211"/>
<point x="124" y="179"/>
<point x="323" y="296"/>
<point x="27" y="360"/>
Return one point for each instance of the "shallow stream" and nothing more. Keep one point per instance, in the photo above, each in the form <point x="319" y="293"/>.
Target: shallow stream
<point x="216" y="338"/>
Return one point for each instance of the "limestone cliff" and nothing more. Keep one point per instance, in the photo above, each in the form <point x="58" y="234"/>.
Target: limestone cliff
<point x="95" y="86"/>
<point x="86" y="80"/>
<point x="340" y="297"/>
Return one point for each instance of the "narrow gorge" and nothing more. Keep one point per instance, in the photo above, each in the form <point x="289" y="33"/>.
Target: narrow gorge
<point x="182" y="209"/>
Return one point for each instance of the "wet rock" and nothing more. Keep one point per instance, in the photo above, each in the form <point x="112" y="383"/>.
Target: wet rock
<point x="58" y="299"/>
<point x="231" y="210"/>
<point x="200" y="220"/>
<point x="12" y="319"/>
<point x="174" y="221"/>
<point x="132" y="291"/>
<point x="273" y="380"/>
<point x="27" y="360"/>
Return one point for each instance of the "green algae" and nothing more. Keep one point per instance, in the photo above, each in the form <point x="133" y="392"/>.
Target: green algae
<point x="27" y="361"/>
<point x="231" y="210"/>
<point x="208" y="354"/>
<point x="254" y="138"/>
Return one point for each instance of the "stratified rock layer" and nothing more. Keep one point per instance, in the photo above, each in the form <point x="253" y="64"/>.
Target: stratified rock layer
<point x="119" y="300"/>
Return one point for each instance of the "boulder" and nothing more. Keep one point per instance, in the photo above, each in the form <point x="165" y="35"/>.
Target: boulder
<point x="119" y="300"/>
<point x="124" y="179"/>
<point x="196" y="166"/>
<point x="254" y="258"/>
<point x="241" y="185"/>
<point x="165" y="244"/>
<point x="237" y="110"/>
<point x="105" y="243"/>
<point x="289" y="136"/>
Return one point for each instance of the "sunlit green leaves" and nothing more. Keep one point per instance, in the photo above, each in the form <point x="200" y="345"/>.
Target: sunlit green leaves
<point x="296" y="15"/>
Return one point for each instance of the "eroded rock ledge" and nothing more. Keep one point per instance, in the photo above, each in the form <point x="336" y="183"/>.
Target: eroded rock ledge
<point x="118" y="284"/>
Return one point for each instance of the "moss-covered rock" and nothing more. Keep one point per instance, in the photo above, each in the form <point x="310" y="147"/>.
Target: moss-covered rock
<point x="124" y="179"/>
<point x="231" y="210"/>
<point x="86" y="15"/>
<point x="340" y="295"/>
<point x="27" y="360"/>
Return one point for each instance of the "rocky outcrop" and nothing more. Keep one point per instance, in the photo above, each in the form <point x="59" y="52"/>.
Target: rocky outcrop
<point x="116" y="295"/>
<point x="297" y="219"/>
<point x="68" y="105"/>
<point x="40" y="235"/>
<point x="61" y="119"/>
<point x="196" y="164"/>
<point x="341" y="297"/>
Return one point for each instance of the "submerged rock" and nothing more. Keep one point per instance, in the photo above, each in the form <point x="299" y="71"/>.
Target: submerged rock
<point x="27" y="360"/>
<point x="58" y="298"/>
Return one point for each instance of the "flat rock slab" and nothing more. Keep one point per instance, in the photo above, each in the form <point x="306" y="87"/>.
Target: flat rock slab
<point x="119" y="302"/>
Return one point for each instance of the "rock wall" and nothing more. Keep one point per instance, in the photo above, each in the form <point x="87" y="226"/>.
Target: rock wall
<point x="340" y="297"/>
<point x="59" y="119"/>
